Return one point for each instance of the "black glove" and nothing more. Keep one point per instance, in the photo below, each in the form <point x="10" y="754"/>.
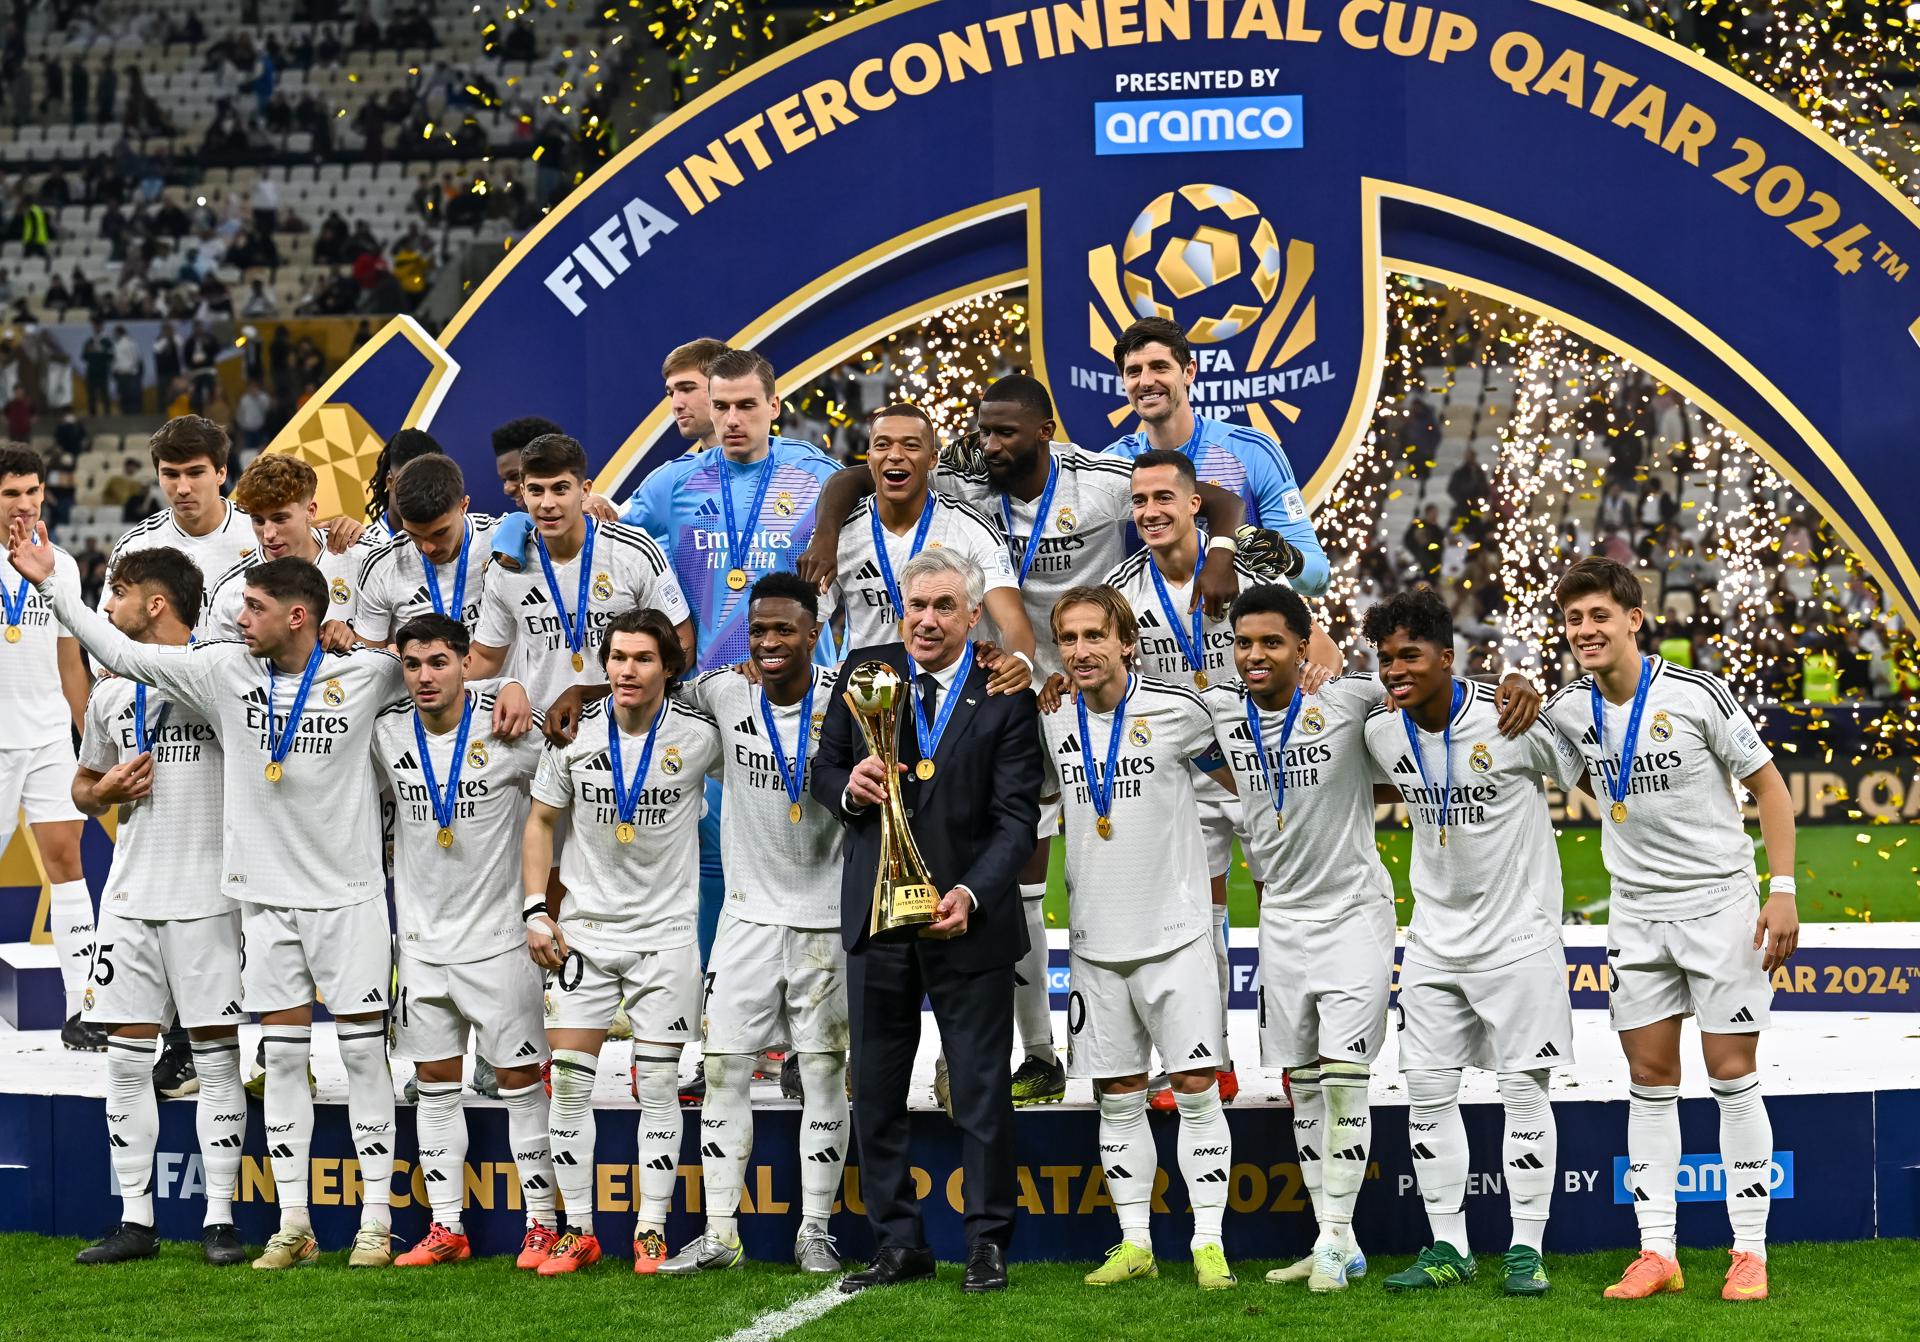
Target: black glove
<point x="1268" y="553"/>
<point x="966" y="454"/>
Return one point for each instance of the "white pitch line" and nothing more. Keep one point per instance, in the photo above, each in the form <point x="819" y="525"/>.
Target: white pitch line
<point x="779" y="1322"/>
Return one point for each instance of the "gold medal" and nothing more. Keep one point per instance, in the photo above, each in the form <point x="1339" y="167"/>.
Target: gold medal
<point x="274" y="771"/>
<point x="446" y="836"/>
<point x="13" y="633"/>
<point x="1199" y="680"/>
<point x="1619" y="813"/>
<point x="736" y="578"/>
<point x="923" y="770"/>
<point x="1280" y="821"/>
<point x="1443" y="837"/>
<point x="1105" y="826"/>
<point x="793" y="814"/>
<point x="623" y="832"/>
<point x="579" y="662"/>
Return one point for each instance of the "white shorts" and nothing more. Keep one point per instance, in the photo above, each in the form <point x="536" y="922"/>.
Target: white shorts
<point x="1220" y="819"/>
<point x="144" y="970"/>
<point x="770" y="986"/>
<point x="1703" y="967"/>
<point x="294" y="957"/>
<point x="1117" y="1014"/>
<point x="1516" y="1018"/>
<point x="1049" y="823"/>
<point x="660" y="989"/>
<point x="38" y="781"/>
<point x="496" y="999"/>
<point x="1324" y="985"/>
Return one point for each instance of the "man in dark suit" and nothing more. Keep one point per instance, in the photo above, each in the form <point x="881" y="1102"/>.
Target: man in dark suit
<point x="973" y="821"/>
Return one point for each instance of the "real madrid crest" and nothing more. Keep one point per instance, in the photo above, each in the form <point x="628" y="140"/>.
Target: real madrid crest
<point x="1064" y="520"/>
<point x="1140" y="734"/>
<point x="86" y="999"/>
<point x="1481" y="759"/>
<point x="340" y="592"/>
<point x="783" y="504"/>
<point x="1313" y="721"/>
<point x="819" y="721"/>
<point x="602" y="587"/>
<point x="477" y="755"/>
<point x="670" y="762"/>
<point x="1662" y="727"/>
<point x="334" y="694"/>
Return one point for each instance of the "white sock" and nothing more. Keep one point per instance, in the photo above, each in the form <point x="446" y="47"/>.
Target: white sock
<point x="1653" y="1162"/>
<point x="1529" y="1153"/>
<point x="1032" y="1009"/>
<point x="441" y="1128"/>
<point x="1746" y="1151"/>
<point x="1206" y="1160"/>
<point x="363" y="1049"/>
<point x="570" y="1124"/>
<point x="658" y="1074"/>
<point x="532" y="1152"/>
<point x="823" y="1133"/>
<point x="133" y="1123"/>
<point x="1438" y="1139"/>
<point x="288" y="1112"/>
<point x="70" y="917"/>
<point x="220" y="1118"/>
<point x="1224" y="971"/>
<point x="1349" y="1138"/>
<point x="726" y="1141"/>
<point x="1129" y="1162"/>
<point x="1309" y="1120"/>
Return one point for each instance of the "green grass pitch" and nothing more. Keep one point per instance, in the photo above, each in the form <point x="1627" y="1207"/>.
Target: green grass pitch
<point x="1855" y="1291"/>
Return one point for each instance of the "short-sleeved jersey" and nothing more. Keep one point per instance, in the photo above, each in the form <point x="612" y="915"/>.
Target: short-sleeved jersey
<point x="1144" y="891"/>
<point x="213" y="554"/>
<point x="393" y="582"/>
<point x="1246" y="462"/>
<point x="862" y="588"/>
<point x="1160" y="651"/>
<point x="220" y="615"/>
<point x="777" y="872"/>
<point x="311" y="840"/>
<point x="166" y="855"/>
<point x="629" y="572"/>
<point x="1324" y="860"/>
<point x="33" y="711"/>
<point x="458" y="904"/>
<point x="1081" y="539"/>
<point x="1683" y="836"/>
<point x="680" y="506"/>
<point x="644" y="895"/>
<point x="1492" y="895"/>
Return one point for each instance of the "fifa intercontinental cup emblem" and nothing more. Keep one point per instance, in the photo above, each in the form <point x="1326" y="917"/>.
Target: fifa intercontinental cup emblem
<point x="904" y="900"/>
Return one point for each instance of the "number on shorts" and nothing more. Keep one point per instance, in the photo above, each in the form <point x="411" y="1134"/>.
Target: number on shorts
<point x="1076" y="1012"/>
<point x="102" y="967"/>
<point x="706" y="993"/>
<point x="579" y="968"/>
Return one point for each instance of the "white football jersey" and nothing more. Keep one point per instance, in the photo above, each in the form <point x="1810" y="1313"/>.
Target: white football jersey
<point x="166" y="855"/>
<point x="1145" y="890"/>
<point x="1082" y="537"/>
<point x="1324" y="860"/>
<point x="1684" y="834"/>
<point x="629" y="572"/>
<point x="1160" y="651"/>
<point x="644" y="895"/>
<point x="311" y="840"/>
<point x="33" y="711"/>
<point x="220" y="616"/>
<point x="458" y="904"/>
<point x="777" y="871"/>
<point x="213" y="554"/>
<point x="1492" y="894"/>
<point x="393" y="582"/>
<point x="861" y="587"/>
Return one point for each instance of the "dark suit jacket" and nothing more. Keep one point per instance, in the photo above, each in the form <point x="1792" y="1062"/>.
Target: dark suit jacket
<point x="973" y="820"/>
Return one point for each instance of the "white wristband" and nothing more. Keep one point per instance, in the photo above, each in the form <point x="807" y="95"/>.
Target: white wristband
<point x="1781" y="885"/>
<point x="1023" y="657"/>
<point x="1227" y="543"/>
<point x="536" y="907"/>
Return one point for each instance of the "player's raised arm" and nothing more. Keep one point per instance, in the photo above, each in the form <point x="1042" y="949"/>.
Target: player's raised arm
<point x="838" y="497"/>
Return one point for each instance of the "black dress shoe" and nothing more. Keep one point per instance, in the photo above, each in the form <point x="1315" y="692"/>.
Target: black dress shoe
<point x="890" y="1267"/>
<point x="986" y="1268"/>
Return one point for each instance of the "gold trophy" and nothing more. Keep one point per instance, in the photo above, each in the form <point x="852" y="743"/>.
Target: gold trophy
<point x="904" y="899"/>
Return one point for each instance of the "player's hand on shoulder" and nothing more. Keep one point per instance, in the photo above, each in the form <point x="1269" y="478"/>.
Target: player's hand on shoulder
<point x="1053" y="692"/>
<point x="545" y="942"/>
<point x="28" y="550"/>
<point x="748" y="670"/>
<point x="512" y="713"/>
<point x="1006" y="674"/>
<point x="563" y="715"/>
<point x="1314" y="677"/>
<point x="338" y="636"/>
<point x="128" y="781"/>
<point x="343" y="533"/>
<point x="819" y="562"/>
<point x="600" y="508"/>
<point x="1519" y="704"/>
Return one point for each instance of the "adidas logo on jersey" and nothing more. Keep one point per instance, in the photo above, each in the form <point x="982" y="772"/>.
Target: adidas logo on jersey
<point x="1405" y="766"/>
<point x="746" y="725"/>
<point x="534" y="597"/>
<point x="826" y="1157"/>
<point x="1547" y="1050"/>
<point x="598" y="764"/>
<point x="420" y="597"/>
<point x="868" y="571"/>
<point x="1069" y="746"/>
<point x="406" y="761"/>
<point x="1148" y="620"/>
<point x="1744" y="1016"/>
<point x="707" y="508"/>
<point x="254" y="696"/>
<point x="526" y="1050"/>
<point x="1588" y="738"/>
<point x="1241" y="733"/>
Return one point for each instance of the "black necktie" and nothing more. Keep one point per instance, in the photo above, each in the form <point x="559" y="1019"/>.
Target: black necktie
<point x="929" y="695"/>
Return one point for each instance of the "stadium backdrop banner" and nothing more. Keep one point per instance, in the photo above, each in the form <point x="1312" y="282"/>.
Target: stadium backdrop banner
<point x="1255" y="169"/>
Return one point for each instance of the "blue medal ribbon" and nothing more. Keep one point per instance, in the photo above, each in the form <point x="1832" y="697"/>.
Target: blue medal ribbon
<point x="930" y="737"/>
<point x="1276" y="778"/>
<point x="460" y="576"/>
<point x="1623" y="776"/>
<point x="1098" y="787"/>
<point x="443" y="805"/>
<point x="880" y="549"/>
<point x="1192" y="646"/>
<point x="15" y="607"/>
<point x="1039" y="517"/>
<point x="793" y="776"/>
<point x="142" y="736"/>
<point x="626" y="796"/>
<point x="1446" y="745"/>
<point x="576" y="626"/>
<point x="740" y="542"/>
<point x="284" y="742"/>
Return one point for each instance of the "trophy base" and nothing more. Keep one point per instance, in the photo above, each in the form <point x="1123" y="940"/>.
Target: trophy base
<point x="905" y="915"/>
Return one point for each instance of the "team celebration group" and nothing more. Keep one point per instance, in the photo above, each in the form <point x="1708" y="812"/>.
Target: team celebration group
<point x="605" y="762"/>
